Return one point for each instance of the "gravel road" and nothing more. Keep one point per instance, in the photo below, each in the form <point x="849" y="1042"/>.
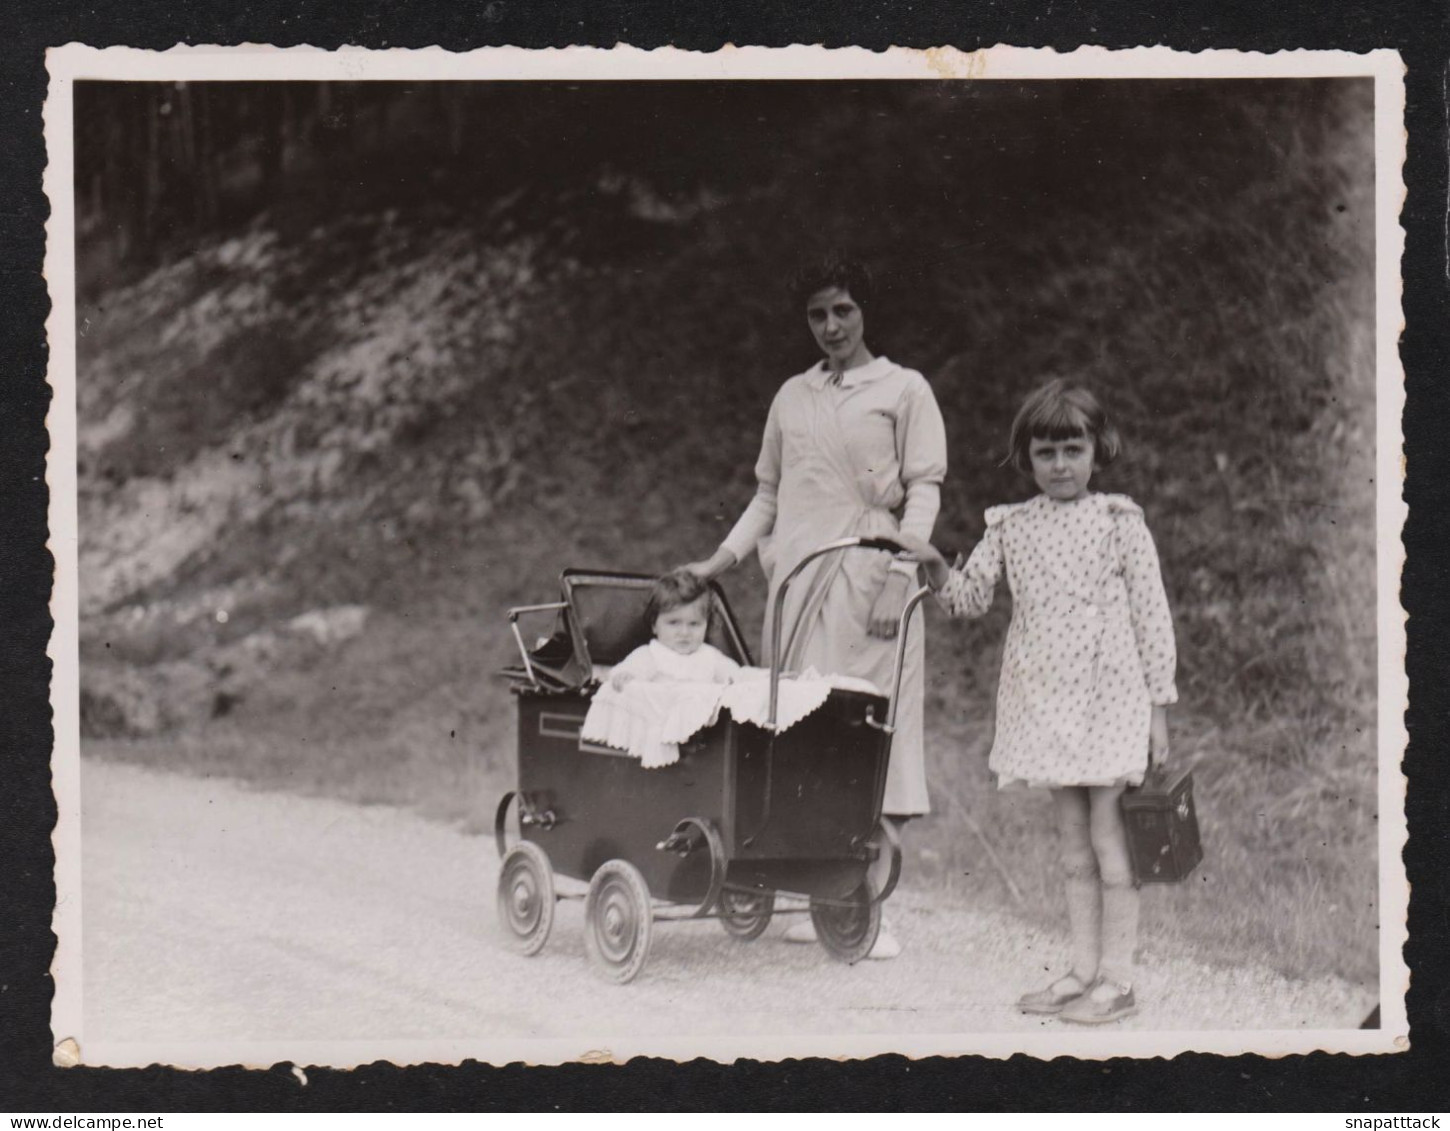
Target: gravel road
<point x="220" y="918"/>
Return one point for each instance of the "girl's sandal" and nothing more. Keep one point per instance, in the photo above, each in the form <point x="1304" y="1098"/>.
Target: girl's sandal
<point x="1054" y="998"/>
<point x="1104" y="1001"/>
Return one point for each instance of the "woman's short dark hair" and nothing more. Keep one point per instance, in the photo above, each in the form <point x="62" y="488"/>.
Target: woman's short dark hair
<point x="832" y="270"/>
<point x="1059" y="411"/>
<point x="674" y="590"/>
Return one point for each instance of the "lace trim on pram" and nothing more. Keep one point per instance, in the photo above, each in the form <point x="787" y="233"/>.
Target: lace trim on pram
<point x="649" y="721"/>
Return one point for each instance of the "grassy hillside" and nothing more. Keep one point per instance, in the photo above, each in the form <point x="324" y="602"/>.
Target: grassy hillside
<point x="324" y="448"/>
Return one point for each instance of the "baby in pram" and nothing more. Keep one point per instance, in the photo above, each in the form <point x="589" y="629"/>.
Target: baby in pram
<point x="665" y="692"/>
<point x="679" y="611"/>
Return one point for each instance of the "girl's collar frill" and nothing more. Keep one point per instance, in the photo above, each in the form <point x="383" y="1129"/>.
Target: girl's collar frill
<point x="1108" y="503"/>
<point x="995" y="516"/>
<point x="1089" y="499"/>
<point x="1120" y="504"/>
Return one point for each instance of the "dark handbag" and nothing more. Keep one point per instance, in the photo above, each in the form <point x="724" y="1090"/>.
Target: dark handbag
<point x="1162" y="826"/>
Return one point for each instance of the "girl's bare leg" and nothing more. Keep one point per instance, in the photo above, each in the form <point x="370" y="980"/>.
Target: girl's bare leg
<point x="1120" y="894"/>
<point x="1080" y="871"/>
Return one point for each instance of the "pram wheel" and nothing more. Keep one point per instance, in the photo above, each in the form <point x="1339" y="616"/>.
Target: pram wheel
<point x="526" y="896"/>
<point x="746" y="914"/>
<point x="848" y="927"/>
<point x="618" y="920"/>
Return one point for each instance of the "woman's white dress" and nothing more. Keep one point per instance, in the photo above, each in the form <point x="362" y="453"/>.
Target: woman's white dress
<point x="862" y="456"/>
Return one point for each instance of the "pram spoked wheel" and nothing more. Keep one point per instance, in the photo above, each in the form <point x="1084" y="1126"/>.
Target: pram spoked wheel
<point x="618" y="920"/>
<point x="746" y="914"/>
<point x="526" y="896"/>
<point x="848" y="927"/>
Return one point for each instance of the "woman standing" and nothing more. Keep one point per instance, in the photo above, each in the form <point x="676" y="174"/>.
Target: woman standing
<point x="855" y="445"/>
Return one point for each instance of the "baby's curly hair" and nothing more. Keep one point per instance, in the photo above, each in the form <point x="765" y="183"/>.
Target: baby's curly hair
<point x="1059" y="411"/>
<point x="675" y="589"/>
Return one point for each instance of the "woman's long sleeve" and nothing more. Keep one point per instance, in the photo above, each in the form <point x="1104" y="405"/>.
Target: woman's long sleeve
<point x="758" y="518"/>
<point x="754" y="523"/>
<point x="1148" y="609"/>
<point x="923" y="502"/>
<point x="968" y="590"/>
<point x="921" y="438"/>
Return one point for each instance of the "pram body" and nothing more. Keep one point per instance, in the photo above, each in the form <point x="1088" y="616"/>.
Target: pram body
<point x="746" y="812"/>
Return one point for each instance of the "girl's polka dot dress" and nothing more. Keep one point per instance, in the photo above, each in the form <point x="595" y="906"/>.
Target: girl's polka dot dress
<point x="1090" y="649"/>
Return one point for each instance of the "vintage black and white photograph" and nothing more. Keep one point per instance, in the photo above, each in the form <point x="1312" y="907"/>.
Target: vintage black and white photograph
<point x="586" y="554"/>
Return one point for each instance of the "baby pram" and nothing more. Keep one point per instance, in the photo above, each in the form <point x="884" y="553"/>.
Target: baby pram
<point x="747" y="811"/>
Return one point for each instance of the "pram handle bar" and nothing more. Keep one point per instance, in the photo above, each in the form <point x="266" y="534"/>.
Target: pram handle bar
<point x="879" y="543"/>
<point x="889" y="726"/>
<point x="890" y="545"/>
<point x="514" y="615"/>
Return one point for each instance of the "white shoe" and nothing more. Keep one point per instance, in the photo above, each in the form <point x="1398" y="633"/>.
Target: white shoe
<point x="803" y="931"/>
<point x="885" y="946"/>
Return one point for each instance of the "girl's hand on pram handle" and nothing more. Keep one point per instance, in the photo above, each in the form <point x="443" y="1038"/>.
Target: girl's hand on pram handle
<point x="915" y="549"/>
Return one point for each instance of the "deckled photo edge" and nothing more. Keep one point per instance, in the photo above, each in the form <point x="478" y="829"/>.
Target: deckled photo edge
<point x="63" y="544"/>
<point x="76" y="62"/>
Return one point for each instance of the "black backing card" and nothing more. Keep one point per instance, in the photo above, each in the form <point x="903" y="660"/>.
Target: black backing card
<point x="1415" y="1081"/>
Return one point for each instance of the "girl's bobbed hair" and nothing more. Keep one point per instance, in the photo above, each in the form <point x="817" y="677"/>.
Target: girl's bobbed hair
<point x="831" y="270"/>
<point x="1059" y="411"/>
<point x="675" y="589"/>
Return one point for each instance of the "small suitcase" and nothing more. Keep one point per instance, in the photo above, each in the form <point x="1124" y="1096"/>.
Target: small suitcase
<point x="1162" y="826"/>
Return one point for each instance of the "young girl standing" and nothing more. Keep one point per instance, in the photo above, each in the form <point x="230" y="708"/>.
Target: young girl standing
<point x="1087" y="675"/>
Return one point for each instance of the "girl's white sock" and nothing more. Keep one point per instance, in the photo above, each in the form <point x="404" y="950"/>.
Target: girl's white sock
<point x="1120" y="932"/>
<point x="1085" y="917"/>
